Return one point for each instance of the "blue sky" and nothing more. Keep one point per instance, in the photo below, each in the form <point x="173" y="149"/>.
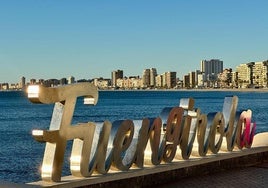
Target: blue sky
<point x="87" y="39"/>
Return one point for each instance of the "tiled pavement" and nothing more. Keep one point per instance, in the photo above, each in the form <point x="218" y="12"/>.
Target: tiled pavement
<point x="254" y="176"/>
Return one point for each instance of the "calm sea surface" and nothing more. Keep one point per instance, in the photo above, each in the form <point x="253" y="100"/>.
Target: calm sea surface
<point x="21" y="155"/>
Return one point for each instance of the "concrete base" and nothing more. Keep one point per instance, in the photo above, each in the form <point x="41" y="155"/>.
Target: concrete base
<point x="150" y="176"/>
<point x="164" y="173"/>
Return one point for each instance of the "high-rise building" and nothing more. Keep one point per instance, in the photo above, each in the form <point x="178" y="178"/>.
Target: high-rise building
<point x="71" y="80"/>
<point x="171" y="78"/>
<point x="253" y="74"/>
<point x="186" y="81"/>
<point x="191" y="80"/>
<point x="159" y="81"/>
<point x="32" y="81"/>
<point x="22" y="82"/>
<point x="153" y="74"/>
<point x="265" y="64"/>
<point x="211" y="68"/>
<point x="63" y="81"/>
<point x="192" y="77"/>
<point x="146" y="77"/>
<point x="259" y="74"/>
<point x="243" y="75"/>
<point x="234" y="79"/>
<point x="118" y="74"/>
<point x="200" y="80"/>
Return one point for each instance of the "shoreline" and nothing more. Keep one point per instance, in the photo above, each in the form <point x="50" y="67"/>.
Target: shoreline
<point x="262" y="90"/>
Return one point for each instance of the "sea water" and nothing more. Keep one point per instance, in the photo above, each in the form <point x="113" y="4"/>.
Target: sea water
<point x="21" y="156"/>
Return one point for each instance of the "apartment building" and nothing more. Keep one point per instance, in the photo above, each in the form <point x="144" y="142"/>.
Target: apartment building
<point x="117" y="74"/>
<point x="253" y="74"/>
<point x="171" y="78"/>
<point x="211" y="68"/>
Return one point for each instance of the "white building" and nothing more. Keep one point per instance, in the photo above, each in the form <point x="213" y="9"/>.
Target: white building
<point x="71" y="80"/>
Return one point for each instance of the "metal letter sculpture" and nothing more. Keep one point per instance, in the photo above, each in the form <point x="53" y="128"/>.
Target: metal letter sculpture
<point x="61" y="130"/>
<point x="97" y="147"/>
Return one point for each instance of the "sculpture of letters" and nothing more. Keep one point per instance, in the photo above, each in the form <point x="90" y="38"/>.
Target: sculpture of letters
<point x="97" y="147"/>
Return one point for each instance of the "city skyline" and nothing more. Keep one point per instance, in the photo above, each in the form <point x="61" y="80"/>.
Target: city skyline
<point x="28" y="79"/>
<point x="87" y="39"/>
<point x="211" y="75"/>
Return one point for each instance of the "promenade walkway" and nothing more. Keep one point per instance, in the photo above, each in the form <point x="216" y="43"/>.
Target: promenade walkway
<point x="253" y="176"/>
